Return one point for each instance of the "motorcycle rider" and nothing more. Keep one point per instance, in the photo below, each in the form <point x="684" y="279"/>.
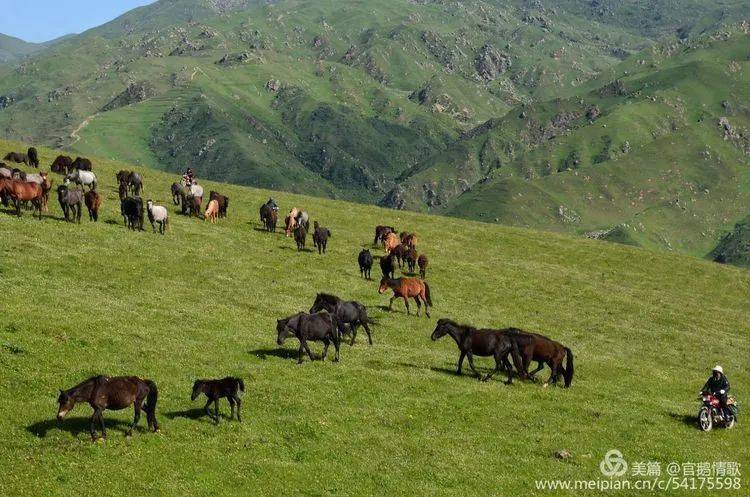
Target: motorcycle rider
<point x="718" y="385"/>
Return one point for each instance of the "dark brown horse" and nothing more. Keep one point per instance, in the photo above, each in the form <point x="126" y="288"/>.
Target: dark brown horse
<point x="411" y="259"/>
<point x="320" y="237"/>
<point x="406" y="288"/>
<point x="483" y="343"/>
<point x="400" y="253"/>
<point x="268" y="217"/>
<point x="300" y="235"/>
<point x="62" y="165"/>
<point x="536" y="347"/>
<point x="317" y="327"/>
<point x="422" y="262"/>
<point x="20" y="191"/>
<point x="33" y="157"/>
<point x="228" y="387"/>
<point x="409" y="239"/>
<point x="387" y="267"/>
<point x="17" y="157"/>
<point x="222" y="200"/>
<point x="381" y="232"/>
<point x="93" y="203"/>
<point x="114" y="393"/>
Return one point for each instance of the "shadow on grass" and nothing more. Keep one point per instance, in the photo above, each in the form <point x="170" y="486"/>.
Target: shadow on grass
<point x="195" y="413"/>
<point x="278" y="352"/>
<point x="287" y="247"/>
<point x="77" y="425"/>
<point x="685" y="419"/>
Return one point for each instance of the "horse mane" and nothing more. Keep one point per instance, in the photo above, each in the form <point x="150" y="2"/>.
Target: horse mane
<point x="328" y="298"/>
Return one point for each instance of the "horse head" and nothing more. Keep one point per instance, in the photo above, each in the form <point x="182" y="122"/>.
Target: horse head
<point x="197" y="389"/>
<point x="65" y="405"/>
<point x="384" y="285"/>
<point x="442" y="328"/>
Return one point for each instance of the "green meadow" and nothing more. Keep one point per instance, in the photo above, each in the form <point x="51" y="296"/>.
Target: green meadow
<point x="388" y="419"/>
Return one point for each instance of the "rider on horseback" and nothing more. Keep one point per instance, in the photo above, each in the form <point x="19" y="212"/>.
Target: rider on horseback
<point x="188" y="177"/>
<point x="272" y="204"/>
<point x="718" y="385"/>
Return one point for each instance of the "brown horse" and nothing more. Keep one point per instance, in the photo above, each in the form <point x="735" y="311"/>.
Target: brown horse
<point x="535" y="347"/>
<point x="62" y="164"/>
<point x="114" y="393"/>
<point x="390" y="242"/>
<point x="406" y="288"/>
<point x="422" y="262"/>
<point x="93" y="203"/>
<point x="20" y="191"/>
<point x="409" y="239"/>
<point x="290" y="221"/>
<point x="381" y="232"/>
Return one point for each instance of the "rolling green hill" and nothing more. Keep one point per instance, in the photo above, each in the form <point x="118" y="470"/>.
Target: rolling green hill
<point x="418" y="105"/>
<point x="12" y="49"/>
<point x="202" y="301"/>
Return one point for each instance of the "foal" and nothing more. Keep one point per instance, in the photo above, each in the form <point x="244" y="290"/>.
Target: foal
<point x="228" y="387"/>
<point x="406" y="288"/>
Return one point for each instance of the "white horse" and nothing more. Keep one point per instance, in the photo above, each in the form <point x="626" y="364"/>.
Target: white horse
<point x="157" y="214"/>
<point x="36" y="178"/>
<point x="83" y="178"/>
<point x="196" y="190"/>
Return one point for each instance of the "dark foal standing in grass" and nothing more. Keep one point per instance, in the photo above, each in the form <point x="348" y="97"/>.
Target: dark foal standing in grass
<point x="365" y="263"/>
<point x="406" y="288"/>
<point x="422" y="262"/>
<point x="484" y="343"/>
<point x="387" y="267"/>
<point x="300" y="235"/>
<point x="347" y="312"/>
<point x="316" y="327"/>
<point x="320" y="237"/>
<point x="228" y="387"/>
<point x="114" y="393"/>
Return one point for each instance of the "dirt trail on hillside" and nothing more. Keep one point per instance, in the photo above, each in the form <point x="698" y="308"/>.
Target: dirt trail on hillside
<point x="74" y="134"/>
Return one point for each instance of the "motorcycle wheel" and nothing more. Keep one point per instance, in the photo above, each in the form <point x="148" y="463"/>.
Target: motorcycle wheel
<point x="704" y="419"/>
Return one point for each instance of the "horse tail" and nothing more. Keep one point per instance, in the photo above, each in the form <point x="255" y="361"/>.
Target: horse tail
<point x="242" y="384"/>
<point x="152" y="397"/>
<point x="568" y="373"/>
<point x="427" y="293"/>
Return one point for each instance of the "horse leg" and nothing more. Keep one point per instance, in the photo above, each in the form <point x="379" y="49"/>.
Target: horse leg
<point x="470" y="356"/>
<point x="307" y="348"/>
<point x="553" y="374"/>
<point x="498" y="366"/>
<point x="136" y="416"/>
<point x="326" y="343"/>
<point x="239" y="404"/>
<point x="367" y="330"/>
<point x="406" y="301"/>
<point x="419" y="304"/>
<point x="460" y="362"/>
<point x="230" y="398"/>
<point x="207" y="409"/>
<point x="301" y="352"/>
<point x="216" y="408"/>
<point x="353" y="327"/>
<point x="390" y="304"/>
<point x="336" y="345"/>
<point x="101" y="421"/>
<point x="539" y="367"/>
<point x="92" y="427"/>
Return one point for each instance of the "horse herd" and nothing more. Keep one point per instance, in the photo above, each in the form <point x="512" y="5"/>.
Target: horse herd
<point x="329" y="319"/>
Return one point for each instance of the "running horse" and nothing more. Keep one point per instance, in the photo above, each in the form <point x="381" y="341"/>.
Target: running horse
<point x="407" y="288"/>
<point x="290" y="221"/>
<point x="114" y="393"/>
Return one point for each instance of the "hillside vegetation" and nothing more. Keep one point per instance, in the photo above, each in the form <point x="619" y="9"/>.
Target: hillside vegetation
<point x="391" y="418"/>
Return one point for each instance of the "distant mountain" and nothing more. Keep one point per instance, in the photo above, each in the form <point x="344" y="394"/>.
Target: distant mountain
<point x="12" y="49"/>
<point x="551" y="114"/>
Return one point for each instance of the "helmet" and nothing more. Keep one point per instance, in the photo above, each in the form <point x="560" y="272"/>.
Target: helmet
<point x="718" y="368"/>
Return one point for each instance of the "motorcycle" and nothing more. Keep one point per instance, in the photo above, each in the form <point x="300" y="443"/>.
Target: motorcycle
<point x="710" y="412"/>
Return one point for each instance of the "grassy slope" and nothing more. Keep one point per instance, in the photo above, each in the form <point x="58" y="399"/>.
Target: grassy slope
<point x="388" y="419"/>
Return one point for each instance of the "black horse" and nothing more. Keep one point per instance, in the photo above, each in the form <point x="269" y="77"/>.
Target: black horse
<point x="320" y="237"/>
<point x="131" y="209"/>
<point x="228" y="387"/>
<point x="472" y="341"/>
<point x="82" y="163"/>
<point x="387" y="267"/>
<point x="33" y="156"/>
<point x="300" y="235"/>
<point x="543" y="350"/>
<point x="316" y="327"/>
<point x="115" y="393"/>
<point x="365" y="263"/>
<point x="347" y="312"/>
<point x="71" y="203"/>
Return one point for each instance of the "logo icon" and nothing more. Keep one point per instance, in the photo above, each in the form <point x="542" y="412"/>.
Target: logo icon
<point x="613" y="464"/>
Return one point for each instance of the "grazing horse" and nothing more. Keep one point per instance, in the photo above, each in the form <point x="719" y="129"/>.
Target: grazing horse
<point x="391" y="242"/>
<point x="365" y="263"/>
<point x="229" y="387"/>
<point x="114" y="393"/>
<point x="178" y="193"/>
<point x="381" y="232"/>
<point x="20" y="191"/>
<point x="71" y="203"/>
<point x="33" y="156"/>
<point x="131" y="209"/>
<point x="347" y="312"/>
<point x="62" y="165"/>
<point x="411" y="259"/>
<point x="316" y="327"/>
<point x="17" y="157"/>
<point x="483" y="343"/>
<point x="93" y="202"/>
<point x="157" y="214"/>
<point x="535" y="347"/>
<point x="300" y="234"/>
<point x="82" y="164"/>
<point x="406" y="288"/>
<point x="422" y="262"/>
<point x="268" y="217"/>
<point x="320" y="238"/>
<point x="387" y="267"/>
<point x="83" y="178"/>
<point x="290" y="221"/>
<point x="222" y="200"/>
<point x="212" y="211"/>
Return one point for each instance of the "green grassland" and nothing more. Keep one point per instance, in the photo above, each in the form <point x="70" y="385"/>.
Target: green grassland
<point x="390" y="419"/>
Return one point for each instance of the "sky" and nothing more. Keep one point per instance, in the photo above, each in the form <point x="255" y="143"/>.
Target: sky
<point x="44" y="20"/>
